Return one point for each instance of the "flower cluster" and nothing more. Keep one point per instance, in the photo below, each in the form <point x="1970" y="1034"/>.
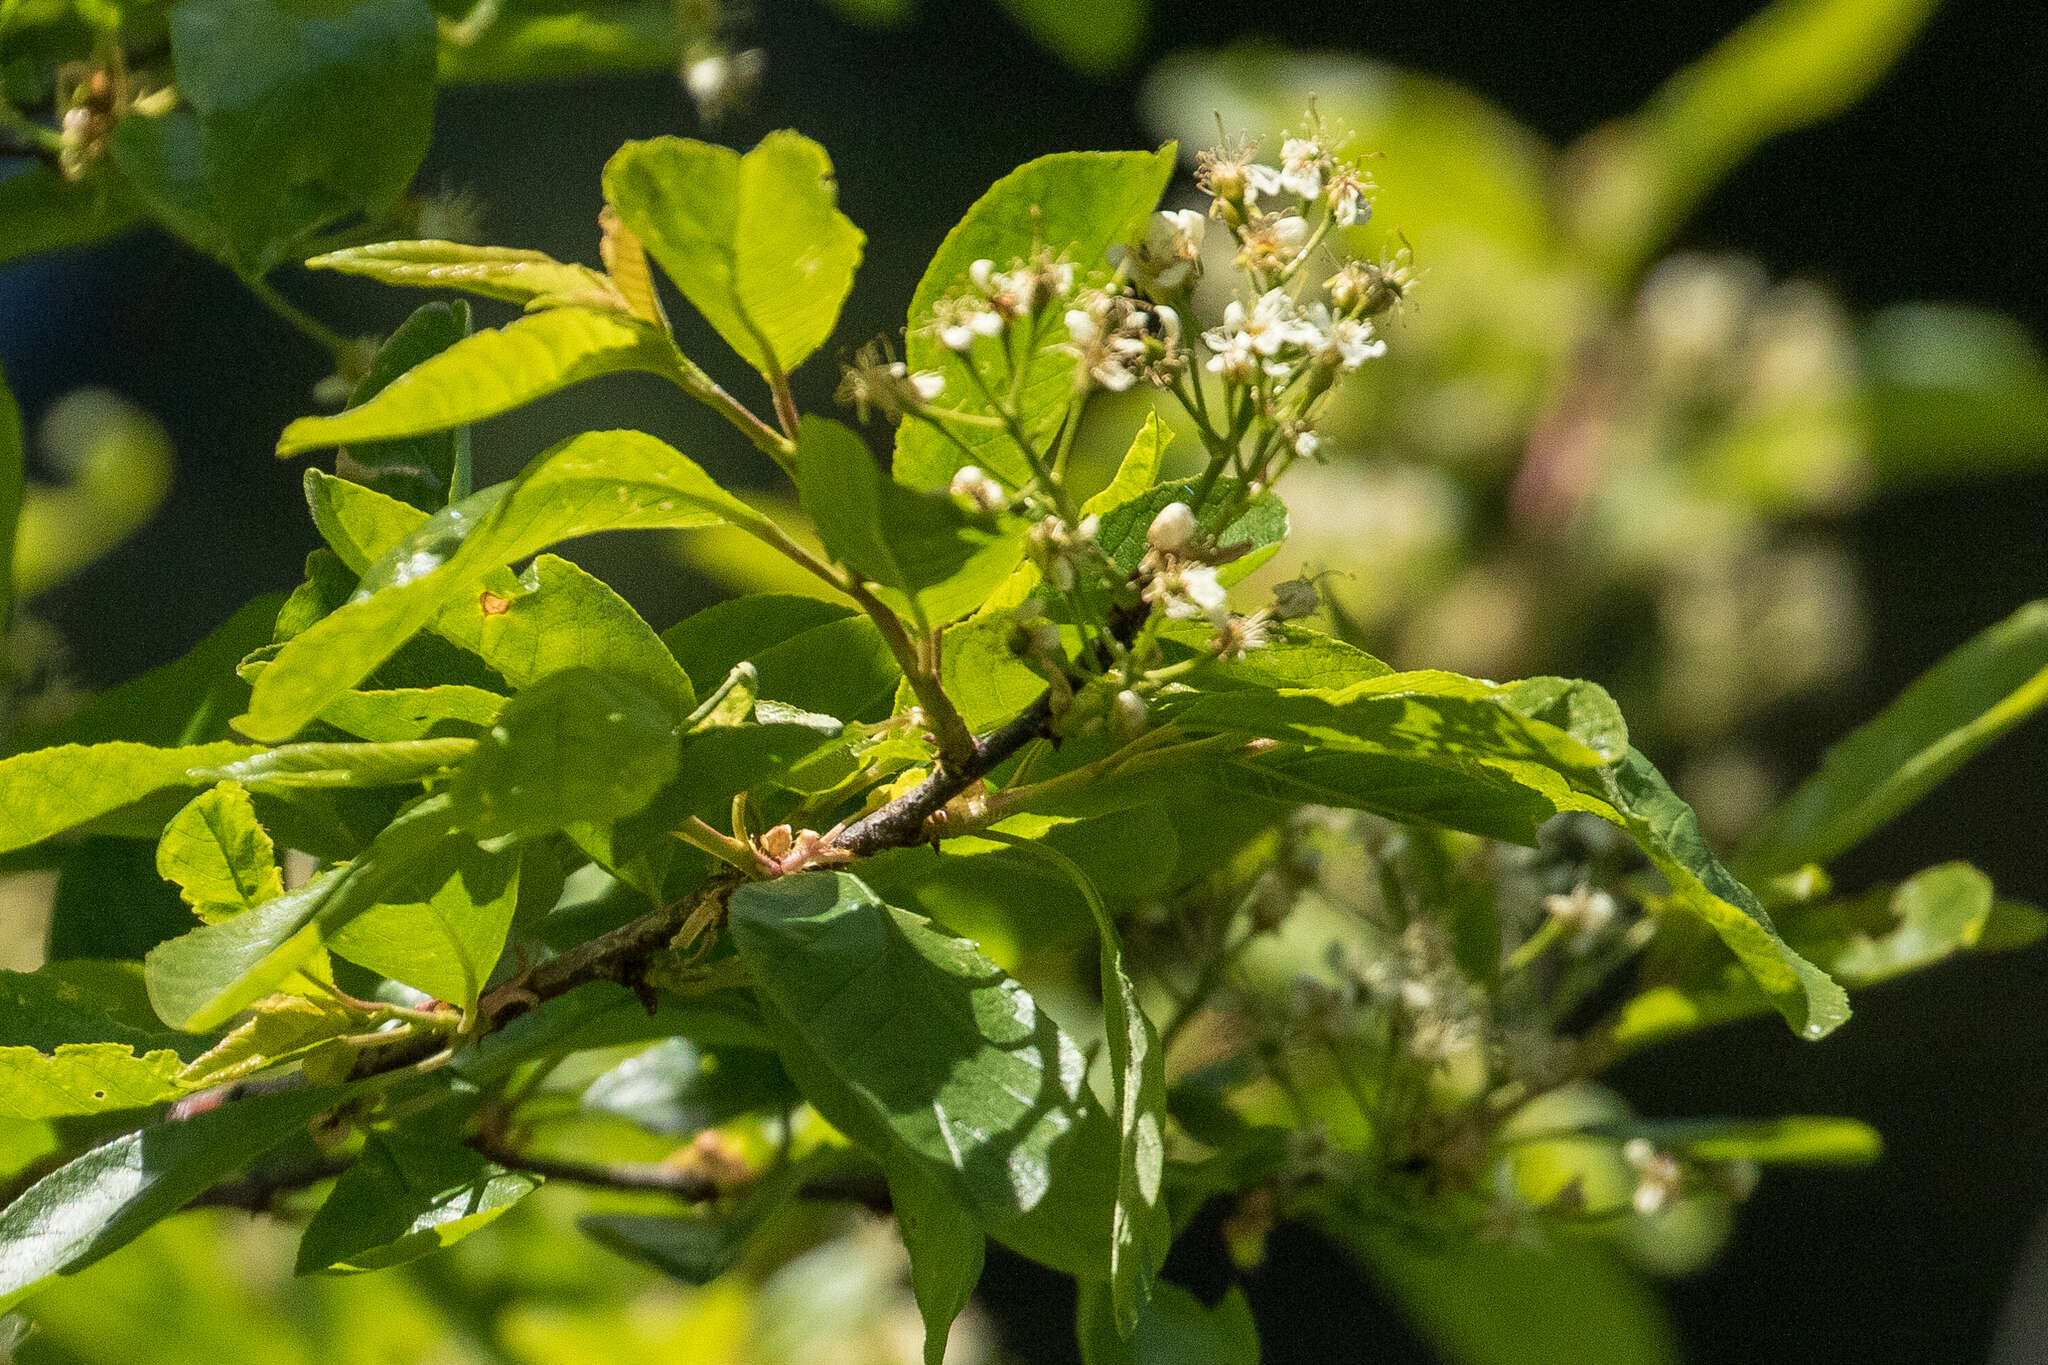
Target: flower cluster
<point x="997" y="298"/>
<point x="1118" y="341"/>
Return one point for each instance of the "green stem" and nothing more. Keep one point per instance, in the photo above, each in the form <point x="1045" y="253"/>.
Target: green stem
<point x="334" y="343"/>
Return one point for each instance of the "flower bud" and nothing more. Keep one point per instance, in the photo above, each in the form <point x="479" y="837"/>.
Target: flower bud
<point x="1173" y="530"/>
<point x="1129" y="713"/>
<point x="971" y="483"/>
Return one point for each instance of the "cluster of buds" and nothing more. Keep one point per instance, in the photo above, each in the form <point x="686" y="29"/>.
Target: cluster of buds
<point x="876" y="381"/>
<point x="994" y="299"/>
<point x="1061" y="551"/>
<point x="1179" y="582"/>
<point x="1309" y="174"/>
<point x="1118" y="341"/>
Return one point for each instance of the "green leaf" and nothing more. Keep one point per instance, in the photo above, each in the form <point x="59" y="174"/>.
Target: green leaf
<point x="1795" y="1141"/>
<point x="428" y="471"/>
<point x="1473" y="799"/>
<point x="1099" y="39"/>
<point x="1954" y="392"/>
<point x="641" y="36"/>
<point x="13" y="471"/>
<point x="48" y="791"/>
<point x="577" y="746"/>
<point x="84" y="1078"/>
<point x="947" y="1248"/>
<point x="756" y="243"/>
<point x="842" y="668"/>
<point x="1137" y="471"/>
<point x="1174" y="1327"/>
<point x="323" y="764"/>
<point x="1077" y="205"/>
<point x="1794" y="64"/>
<point x="938" y="561"/>
<point x="920" y="1048"/>
<point x="1668" y="830"/>
<point x="493" y="371"/>
<point x="710" y="643"/>
<point x="439" y="928"/>
<point x="62" y="1052"/>
<point x="1438" y="718"/>
<point x="1948" y="714"/>
<point x="288" y="119"/>
<point x="697" y="1248"/>
<point x="359" y="523"/>
<point x="219" y="855"/>
<point x="407" y="1196"/>
<point x="41" y="209"/>
<point x="187" y="701"/>
<point x="532" y="279"/>
<point x="564" y="618"/>
<point x="280" y="1027"/>
<point x="205" y="978"/>
<point x="406" y="713"/>
<point x="599" y="481"/>
<point x="101" y="1201"/>
<point x="1495" y="1303"/>
<point x="677" y="1087"/>
<point x="1142" y="1229"/>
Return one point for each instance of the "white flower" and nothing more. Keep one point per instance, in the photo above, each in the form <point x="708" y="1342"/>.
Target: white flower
<point x="1173" y="529"/>
<point x="1290" y="234"/>
<point x="1352" y="343"/>
<point x="1307" y="444"/>
<point x="983" y="273"/>
<point x="1199" y="585"/>
<point x="1260" y="180"/>
<point x="927" y="384"/>
<point x="984" y="322"/>
<point x="1234" y="358"/>
<point x="1083" y="327"/>
<point x="1301" y="167"/>
<point x="1583" y="913"/>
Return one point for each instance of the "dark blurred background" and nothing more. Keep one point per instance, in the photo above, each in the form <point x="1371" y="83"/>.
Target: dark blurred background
<point x="1932" y="188"/>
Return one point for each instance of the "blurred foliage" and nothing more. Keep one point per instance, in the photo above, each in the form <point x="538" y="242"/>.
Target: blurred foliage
<point x="1579" y="456"/>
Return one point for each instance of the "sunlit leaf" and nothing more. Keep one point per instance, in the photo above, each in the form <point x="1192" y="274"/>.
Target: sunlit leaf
<point x="985" y="1092"/>
<point x="938" y="561"/>
<point x="532" y="279"/>
<point x="407" y="1195"/>
<point x="599" y="481"/>
<point x="101" y="1201"/>
<point x="576" y="746"/>
<point x="1947" y="715"/>
<point x="756" y="243"/>
<point x="219" y="854"/>
<point x="493" y="371"/>
<point x="1075" y="204"/>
